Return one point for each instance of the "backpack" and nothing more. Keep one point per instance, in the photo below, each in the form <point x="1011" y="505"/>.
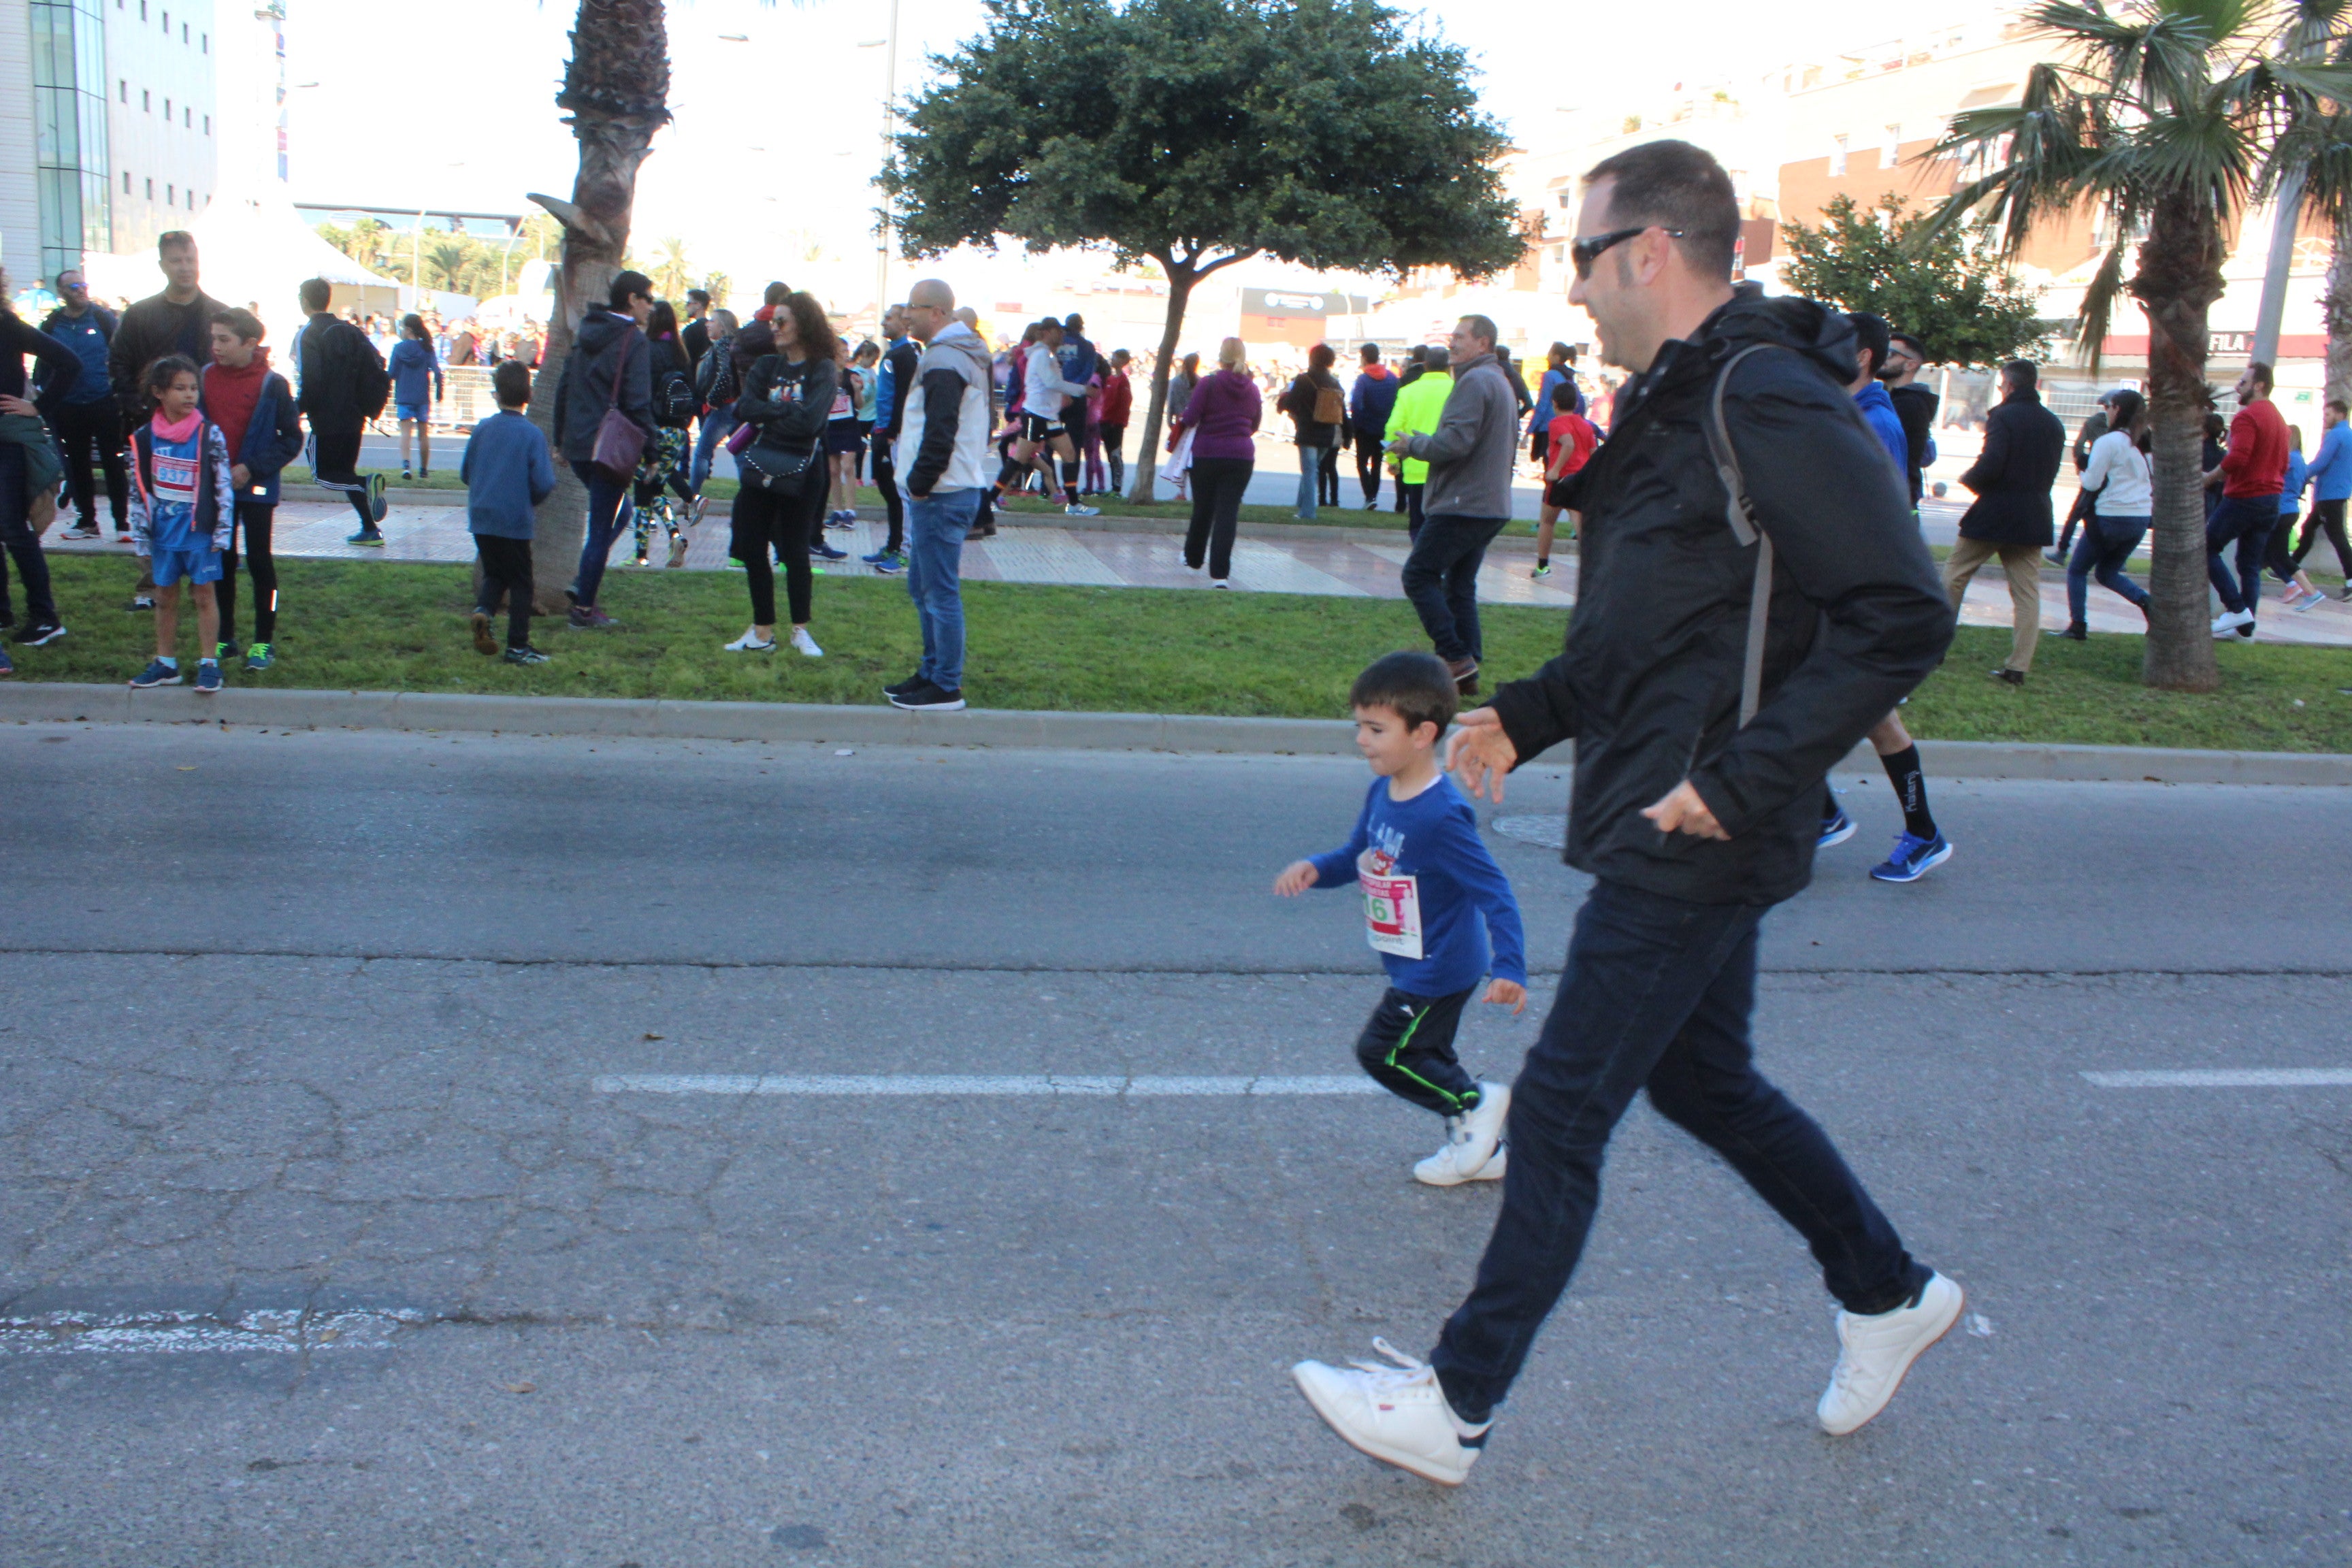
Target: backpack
<point x="673" y="401"/>
<point x="1330" y="406"/>
<point x="371" y="381"/>
<point x="714" y="380"/>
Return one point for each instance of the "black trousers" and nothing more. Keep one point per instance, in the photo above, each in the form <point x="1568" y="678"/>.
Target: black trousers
<point x="1409" y="503"/>
<point x="506" y="575"/>
<point x="1368" y="467"/>
<point x="335" y="466"/>
<point x="1217" y="486"/>
<point x="1114" y="447"/>
<point x="2326" y="516"/>
<point x="766" y="523"/>
<point x="886" y="479"/>
<point x="1656" y="996"/>
<point x="82" y="429"/>
<point x="22" y="545"/>
<point x="253" y="524"/>
<point x="1408" y="1048"/>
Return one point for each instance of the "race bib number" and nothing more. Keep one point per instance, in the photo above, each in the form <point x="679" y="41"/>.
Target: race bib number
<point x="1392" y="913"/>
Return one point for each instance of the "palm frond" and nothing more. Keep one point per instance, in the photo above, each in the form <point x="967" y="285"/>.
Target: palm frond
<point x="2099" y="299"/>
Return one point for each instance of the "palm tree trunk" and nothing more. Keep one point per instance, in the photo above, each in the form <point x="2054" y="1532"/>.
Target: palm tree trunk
<point x="2339" y="305"/>
<point x="617" y="87"/>
<point x="2179" y="278"/>
<point x="1155" y="412"/>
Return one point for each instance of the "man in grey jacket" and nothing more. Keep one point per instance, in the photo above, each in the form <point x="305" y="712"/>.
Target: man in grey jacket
<point x="941" y="460"/>
<point x="1467" y="498"/>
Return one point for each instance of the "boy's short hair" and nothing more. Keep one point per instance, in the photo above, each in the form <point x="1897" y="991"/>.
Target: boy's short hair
<point x="1563" y="396"/>
<point x="1416" y="687"/>
<point x="511" y="383"/>
<point x="242" y="322"/>
<point x="317" y="293"/>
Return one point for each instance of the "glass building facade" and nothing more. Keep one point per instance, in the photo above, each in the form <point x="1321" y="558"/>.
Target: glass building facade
<point x="69" y="131"/>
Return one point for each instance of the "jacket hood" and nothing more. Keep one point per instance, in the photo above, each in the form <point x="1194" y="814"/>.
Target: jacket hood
<point x="962" y="345"/>
<point x="598" y="331"/>
<point x="1874" y="395"/>
<point x="1819" y="333"/>
<point x="1377" y="371"/>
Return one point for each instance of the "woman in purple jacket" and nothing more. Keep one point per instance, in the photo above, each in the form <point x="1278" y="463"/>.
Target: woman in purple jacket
<point x="1222" y="415"/>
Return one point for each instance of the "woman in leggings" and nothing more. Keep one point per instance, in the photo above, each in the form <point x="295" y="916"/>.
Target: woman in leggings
<point x="1223" y="414"/>
<point x="787" y="400"/>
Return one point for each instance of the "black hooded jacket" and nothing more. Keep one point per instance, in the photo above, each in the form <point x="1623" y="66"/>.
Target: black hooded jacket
<point x="1648" y="685"/>
<point x="610" y="366"/>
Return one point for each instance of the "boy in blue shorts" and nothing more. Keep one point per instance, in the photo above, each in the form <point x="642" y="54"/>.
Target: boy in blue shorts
<point x="183" y="515"/>
<point x="1435" y="901"/>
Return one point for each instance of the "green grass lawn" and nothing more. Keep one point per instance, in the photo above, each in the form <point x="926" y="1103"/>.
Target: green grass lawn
<point x="394" y="626"/>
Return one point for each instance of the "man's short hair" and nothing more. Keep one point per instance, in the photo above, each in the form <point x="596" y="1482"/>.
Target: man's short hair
<point x="1416" y="687"/>
<point x="316" y="292"/>
<point x="1871" y="335"/>
<point x="1482" y="327"/>
<point x="240" y="321"/>
<point x="775" y="293"/>
<point x="2262" y="374"/>
<point x="1369" y="353"/>
<point x="628" y="286"/>
<point x="1911" y="345"/>
<point x="698" y="296"/>
<point x="2021" y="372"/>
<point x="1074" y="322"/>
<point x="60" y="280"/>
<point x="510" y="383"/>
<point x="174" y="239"/>
<point x="1437" y="356"/>
<point x="1675" y="186"/>
<point x="1563" y="395"/>
<point x="2343" y="409"/>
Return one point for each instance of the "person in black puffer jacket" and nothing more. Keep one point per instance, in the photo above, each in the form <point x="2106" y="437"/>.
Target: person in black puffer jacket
<point x="787" y="399"/>
<point x="610" y="366"/>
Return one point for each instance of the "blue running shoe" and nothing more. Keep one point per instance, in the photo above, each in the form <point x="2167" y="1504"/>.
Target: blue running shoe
<point x="890" y="565"/>
<point x="157" y="673"/>
<point x="1913" y="859"/>
<point x="208" y="677"/>
<point x="1836" y="829"/>
<point x="827" y="552"/>
<point x="876" y="559"/>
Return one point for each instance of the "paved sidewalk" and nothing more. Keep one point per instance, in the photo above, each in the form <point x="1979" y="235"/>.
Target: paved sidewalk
<point x="1353" y="564"/>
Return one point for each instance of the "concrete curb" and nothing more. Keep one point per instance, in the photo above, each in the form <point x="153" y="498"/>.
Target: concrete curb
<point x="33" y="703"/>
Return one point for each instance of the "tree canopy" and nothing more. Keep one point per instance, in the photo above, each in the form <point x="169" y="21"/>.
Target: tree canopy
<point x="1944" y="287"/>
<point x="1200" y="133"/>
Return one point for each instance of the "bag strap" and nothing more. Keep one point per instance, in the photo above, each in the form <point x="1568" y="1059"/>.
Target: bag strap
<point x="1741" y="512"/>
<point x="620" y="365"/>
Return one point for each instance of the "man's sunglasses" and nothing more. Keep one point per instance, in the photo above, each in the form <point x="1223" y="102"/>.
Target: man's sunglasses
<point x="1585" y="252"/>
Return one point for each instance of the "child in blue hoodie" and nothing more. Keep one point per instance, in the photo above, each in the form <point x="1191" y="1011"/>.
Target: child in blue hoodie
<point x="1436" y="907"/>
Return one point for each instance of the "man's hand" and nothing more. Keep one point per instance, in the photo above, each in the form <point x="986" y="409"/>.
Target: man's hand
<point x="1480" y="753"/>
<point x="1508" y="993"/>
<point x="15" y="405"/>
<point x="1682" y="811"/>
<point x="1398" y="443"/>
<point x="239" y="475"/>
<point x="1295" y="879"/>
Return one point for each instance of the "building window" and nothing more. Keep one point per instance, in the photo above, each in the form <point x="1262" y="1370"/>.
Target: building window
<point x="143" y="10"/>
<point x="150" y="189"/>
<point x="208" y="124"/>
<point x="1837" y="156"/>
<point x="146" y="101"/>
<point x="171" y="195"/>
<point x="167" y="108"/>
<point x="126" y="174"/>
<point x="205" y="40"/>
<point x="125" y="85"/>
<point x="1891" y="150"/>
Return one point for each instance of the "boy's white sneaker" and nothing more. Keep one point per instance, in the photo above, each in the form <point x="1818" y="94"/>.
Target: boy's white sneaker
<point x="1879" y="1349"/>
<point x="1472" y="1141"/>
<point x="1397" y="1414"/>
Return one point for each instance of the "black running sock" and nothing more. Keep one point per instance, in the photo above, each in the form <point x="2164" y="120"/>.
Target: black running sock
<point x="1010" y="474"/>
<point x="1542" y="561"/>
<point x="1829" y="807"/>
<point x="359" y="500"/>
<point x="1910" y="781"/>
<point x="1070" y="482"/>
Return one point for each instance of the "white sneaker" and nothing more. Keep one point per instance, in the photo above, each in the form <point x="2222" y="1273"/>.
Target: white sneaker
<point x="1472" y="1142"/>
<point x="1397" y="1414"/>
<point x="2229" y="621"/>
<point x="805" y="643"/>
<point x="1074" y="509"/>
<point x="1879" y="1350"/>
<point x="750" y="643"/>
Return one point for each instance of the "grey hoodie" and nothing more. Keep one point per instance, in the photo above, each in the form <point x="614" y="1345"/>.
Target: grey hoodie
<point x="1474" y="447"/>
<point x="943" y="444"/>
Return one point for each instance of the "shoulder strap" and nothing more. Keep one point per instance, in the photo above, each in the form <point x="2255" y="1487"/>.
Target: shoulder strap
<point x="1741" y="512"/>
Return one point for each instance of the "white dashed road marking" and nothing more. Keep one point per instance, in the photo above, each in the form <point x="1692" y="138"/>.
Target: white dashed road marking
<point x="957" y="1086"/>
<point x="2227" y="1077"/>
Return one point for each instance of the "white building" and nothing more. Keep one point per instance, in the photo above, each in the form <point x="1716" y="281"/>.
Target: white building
<point x="115" y="106"/>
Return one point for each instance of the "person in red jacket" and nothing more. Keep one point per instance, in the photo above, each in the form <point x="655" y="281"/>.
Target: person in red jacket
<point x="2250" y="475"/>
<point x="1117" y="404"/>
<point x="1569" y="441"/>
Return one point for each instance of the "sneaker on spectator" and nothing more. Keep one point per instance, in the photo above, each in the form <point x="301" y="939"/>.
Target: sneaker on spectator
<point x="527" y="655"/>
<point x="208" y="677"/>
<point x="157" y="673"/>
<point x="930" y="697"/>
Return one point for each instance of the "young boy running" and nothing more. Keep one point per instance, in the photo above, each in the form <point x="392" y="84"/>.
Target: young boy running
<point x="183" y="515"/>
<point x="1434" y="896"/>
<point x="1568" y="442"/>
<point x="507" y="471"/>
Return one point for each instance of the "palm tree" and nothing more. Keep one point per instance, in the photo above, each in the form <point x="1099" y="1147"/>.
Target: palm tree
<point x="444" y="261"/>
<point x="2166" y="119"/>
<point x="670" y="270"/>
<point x="367" y="240"/>
<point x="718" y="286"/>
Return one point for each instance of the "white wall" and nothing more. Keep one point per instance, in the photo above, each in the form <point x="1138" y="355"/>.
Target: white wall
<point x="177" y="161"/>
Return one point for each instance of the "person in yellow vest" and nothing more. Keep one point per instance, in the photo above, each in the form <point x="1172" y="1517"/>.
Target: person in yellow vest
<point x="1418" y="404"/>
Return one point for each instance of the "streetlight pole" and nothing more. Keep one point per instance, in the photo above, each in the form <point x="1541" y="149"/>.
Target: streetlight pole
<point x="889" y="115"/>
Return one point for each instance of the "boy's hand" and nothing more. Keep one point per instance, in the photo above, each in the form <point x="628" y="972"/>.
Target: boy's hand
<point x="1508" y="993"/>
<point x="1480" y="753"/>
<point x="1295" y="879"/>
<point x="239" y="475"/>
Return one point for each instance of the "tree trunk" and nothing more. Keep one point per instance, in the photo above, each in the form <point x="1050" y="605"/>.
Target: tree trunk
<point x="617" y="87"/>
<point x="1181" y="279"/>
<point x="2338" y="306"/>
<point x="2179" y="278"/>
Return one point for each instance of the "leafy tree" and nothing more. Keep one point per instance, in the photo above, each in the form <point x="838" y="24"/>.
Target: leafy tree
<point x="450" y="262"/>
<point x="1200" y="134"/>
<point x="2163" y="119"/>
<point x="1945" y="287"/>
<point x="718" y="286"/>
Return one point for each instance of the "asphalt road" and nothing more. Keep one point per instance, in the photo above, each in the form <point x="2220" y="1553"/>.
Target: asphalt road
<point x="299" y="1037"/>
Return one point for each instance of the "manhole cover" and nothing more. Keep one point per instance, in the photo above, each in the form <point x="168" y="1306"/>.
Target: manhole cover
<point x="1543" y="832"/>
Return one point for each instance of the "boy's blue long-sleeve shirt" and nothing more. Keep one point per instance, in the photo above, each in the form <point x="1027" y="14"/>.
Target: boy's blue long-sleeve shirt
<point x="2331" y="466"/>
<point x="1459" y="899"/>
<point x="507" y="471"/>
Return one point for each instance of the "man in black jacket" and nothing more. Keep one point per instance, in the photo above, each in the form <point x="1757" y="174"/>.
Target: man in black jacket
<point x="178" y="320"/>
<point x="1914" y="403"/>
<point x="340" y="383"/>
<point x="2011" y="518"/>
<point x="1692" y="824"/>
<point x="695" y="336"/>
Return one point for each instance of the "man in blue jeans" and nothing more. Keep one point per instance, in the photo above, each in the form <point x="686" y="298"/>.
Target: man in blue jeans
<point x="1693" y="816"/>
<point x="1467" y="498"/>
<point x="2250" y="478"/>
<point x="940" y="458"/>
